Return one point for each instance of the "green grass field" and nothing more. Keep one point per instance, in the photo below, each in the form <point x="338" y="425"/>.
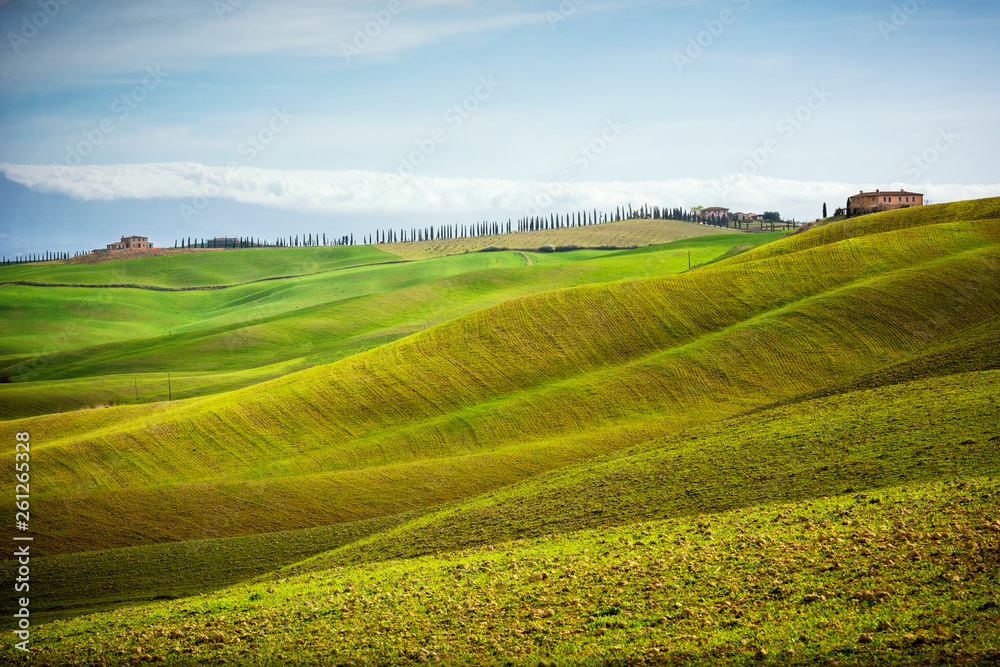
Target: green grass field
<point x="102" y="339"/>
<point x="788" y="454"/>
<point x="200" y="269"/>
<point x="905" y="575"/>
<point x="68" y="586"/>
<point x="829" y="445"/>
<point x="525" y="386"/>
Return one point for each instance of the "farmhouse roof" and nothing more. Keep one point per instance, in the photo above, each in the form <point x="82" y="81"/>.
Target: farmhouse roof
<point x="889" y="193"/>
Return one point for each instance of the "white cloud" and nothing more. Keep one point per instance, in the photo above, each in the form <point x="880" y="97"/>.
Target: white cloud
<point x="356" y="192"/>
<point x="108" y="39"/>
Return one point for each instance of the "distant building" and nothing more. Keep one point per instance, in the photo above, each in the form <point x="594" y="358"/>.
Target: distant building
<point x="714" y="212"/>
<point x="748" y="217"/>
<point x="873" y="202"/>
<point x="131" y="243"/>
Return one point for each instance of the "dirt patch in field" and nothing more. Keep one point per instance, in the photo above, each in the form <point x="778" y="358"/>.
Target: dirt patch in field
<point x="119" y="255"/>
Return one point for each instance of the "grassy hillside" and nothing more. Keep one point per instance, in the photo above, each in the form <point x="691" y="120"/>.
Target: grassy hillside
<point x="973" y="349"/>
<point x="72" y="318"/>
<point x="231" y="267"/>
<point x="788" y="455"/>
<point x="105" y="337"/>
<point x="906" y="575"/>
<point x="25" y="399"/>
<point x="868" y="440"/>
<point x="900" y="219"/>
<point x="75" y="584"/>
<point x="496" y="396"/>
<point x="916" y="432"/>
<point x="234" y="267"/>
<point x="623" y="234"/>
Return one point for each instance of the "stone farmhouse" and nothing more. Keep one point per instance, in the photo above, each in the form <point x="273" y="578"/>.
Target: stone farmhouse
<point x="131" y="243"/>
<point x="873" y="202"/>
<point x="714" y="212"/>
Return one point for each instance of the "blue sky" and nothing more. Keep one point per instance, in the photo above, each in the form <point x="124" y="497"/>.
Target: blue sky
<point x="216" y="117"/>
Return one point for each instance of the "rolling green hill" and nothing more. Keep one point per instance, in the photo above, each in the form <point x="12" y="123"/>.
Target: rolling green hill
<point x="185" y="270"/>
<point x="902" y="434"/>
<point x="915" y="432"/>
<point x="528" y="385"/>
<point x="112" y="346"/>
<point x="904" y="575"/>
<point x="787" y="455"/>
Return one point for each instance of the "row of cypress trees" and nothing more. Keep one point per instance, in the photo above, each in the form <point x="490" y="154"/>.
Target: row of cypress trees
<point x="307" y="240"/>
<point x="31" y="258"/>
<point x="535" y="223"/>
<point x="449" y="231"/>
